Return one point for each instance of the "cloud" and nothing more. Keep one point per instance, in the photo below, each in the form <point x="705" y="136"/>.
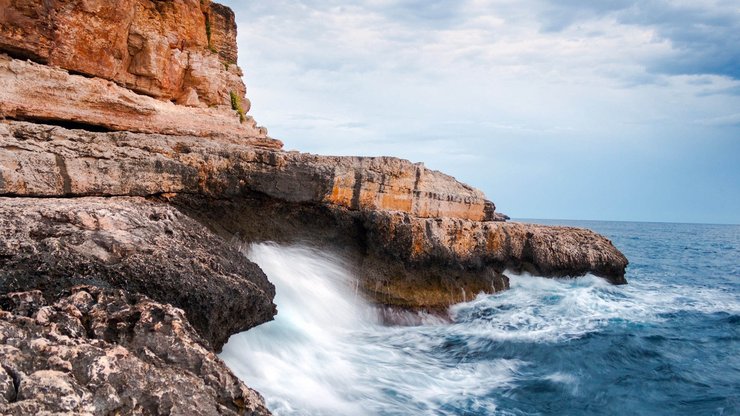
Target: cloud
<point x="502" y="93"/>
<point x="704" y="35"/>
<point x="724" y="120"/>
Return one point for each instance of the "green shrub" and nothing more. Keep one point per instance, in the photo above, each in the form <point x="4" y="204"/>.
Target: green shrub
<point x="208" y="34"/>
<point x="236" y="105"/>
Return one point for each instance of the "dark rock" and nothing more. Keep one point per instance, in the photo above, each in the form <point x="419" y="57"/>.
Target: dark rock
<point x="145" y="247"/>
<point x="500" y="217"/>
<point x="103" y="351"/>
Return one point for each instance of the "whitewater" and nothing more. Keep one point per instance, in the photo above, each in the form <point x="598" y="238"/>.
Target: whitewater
<point x="666" y="343"/>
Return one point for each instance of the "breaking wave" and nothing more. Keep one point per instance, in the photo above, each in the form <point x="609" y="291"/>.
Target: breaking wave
<point x="563" y="346"/>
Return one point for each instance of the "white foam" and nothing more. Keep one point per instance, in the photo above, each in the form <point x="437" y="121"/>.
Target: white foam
<point x="553" y="310"/>
<point x="326" y="353"/>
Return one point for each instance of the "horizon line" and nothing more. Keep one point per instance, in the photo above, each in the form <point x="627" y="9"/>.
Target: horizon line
<point x="633" y="221"/>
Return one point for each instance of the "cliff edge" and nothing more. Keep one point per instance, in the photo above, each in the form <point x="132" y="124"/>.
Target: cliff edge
<point x="131" y="172"/>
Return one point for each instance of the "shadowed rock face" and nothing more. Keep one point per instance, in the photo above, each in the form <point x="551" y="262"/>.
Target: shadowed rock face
<point x="140" y="246"/>
<point x="102" y="351"/>
<point x="412" y="262"/>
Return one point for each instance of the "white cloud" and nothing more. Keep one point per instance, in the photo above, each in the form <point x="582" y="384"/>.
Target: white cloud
<point x="497" y="93"/>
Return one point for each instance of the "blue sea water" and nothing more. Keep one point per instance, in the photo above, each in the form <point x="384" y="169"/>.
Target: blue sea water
<point x="668" y="343"/>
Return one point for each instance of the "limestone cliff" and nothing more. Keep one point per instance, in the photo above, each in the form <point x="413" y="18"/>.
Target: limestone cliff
<point x="129" y="176"/>
<point x="181" y="51"/>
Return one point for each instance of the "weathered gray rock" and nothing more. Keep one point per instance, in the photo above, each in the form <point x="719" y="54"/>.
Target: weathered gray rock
<point x="43" y="160"/>
<point x="102" y="351"/>
<point x="140" y="246"/>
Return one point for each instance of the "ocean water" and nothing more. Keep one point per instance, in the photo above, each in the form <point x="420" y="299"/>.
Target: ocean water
<point x="668" y="343"/>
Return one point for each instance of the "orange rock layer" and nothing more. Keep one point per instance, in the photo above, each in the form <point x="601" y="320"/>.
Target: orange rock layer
<point x="182" y="50"/>
<point x="31" y="91"/>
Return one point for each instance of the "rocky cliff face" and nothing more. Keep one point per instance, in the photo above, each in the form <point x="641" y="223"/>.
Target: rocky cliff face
<point x="98" y="104"/>
<point x="130" y="243"/>
<point x="128" y="165"/>
<point x="42" y="160"/>
<point x="181" y="51"/>
<point x="408" y="213"/>
<point x="163" y="49"/>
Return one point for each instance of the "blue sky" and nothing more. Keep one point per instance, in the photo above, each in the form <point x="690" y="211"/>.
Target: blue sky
<point x="612" y="110"/>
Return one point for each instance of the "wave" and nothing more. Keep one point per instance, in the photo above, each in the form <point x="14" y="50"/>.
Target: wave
<point x="329" y="352"/>
<point x="553" y="310"/>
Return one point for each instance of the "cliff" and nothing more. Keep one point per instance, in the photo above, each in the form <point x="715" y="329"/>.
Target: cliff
<point x="415" y="230"/>
<point x="130" y="174"/>
<point x="124" y="66"/>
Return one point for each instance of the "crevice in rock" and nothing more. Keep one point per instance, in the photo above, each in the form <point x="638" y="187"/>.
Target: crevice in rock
<point x="22" y="54"/>
<point x="67" y="124"/>
<point x="356" y="190"/>
<point x="155" y="196"/>
<point x="16" y="382"/>
<point x="66" y="180"/>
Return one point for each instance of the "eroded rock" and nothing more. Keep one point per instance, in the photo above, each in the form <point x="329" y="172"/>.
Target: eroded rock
<point x="407" y="261"/>
<point x="42" y="160"/>
<point x="424" y="236"/>
<point x="51" y="245"/>
<point x="148" y="46"/>
<point x="101" y="351"/>
<point x="101" y="104"/>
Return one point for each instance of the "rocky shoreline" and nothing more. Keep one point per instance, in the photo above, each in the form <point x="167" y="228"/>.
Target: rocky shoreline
<point x="129" y="182"/>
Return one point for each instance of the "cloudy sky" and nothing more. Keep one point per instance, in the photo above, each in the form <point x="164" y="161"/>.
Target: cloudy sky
<point x="611" y="109"/>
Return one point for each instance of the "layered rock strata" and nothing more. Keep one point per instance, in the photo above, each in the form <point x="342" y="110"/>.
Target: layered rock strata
<point x="422" y="232"/>
<point x="124" y="66"/>
<point x="164" y="49"/>
<point x="42" y="160"/>
<point x="99" y="351"/>
<point x="30" y="91"/>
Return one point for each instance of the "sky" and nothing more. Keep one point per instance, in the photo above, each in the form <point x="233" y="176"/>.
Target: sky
<point x="607" y="110"/>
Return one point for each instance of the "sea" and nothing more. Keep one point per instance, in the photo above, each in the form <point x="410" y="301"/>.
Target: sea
<point x="667" y="343"/>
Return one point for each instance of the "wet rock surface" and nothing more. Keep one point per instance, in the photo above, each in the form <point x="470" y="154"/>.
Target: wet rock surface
<point x="412" y="262"/>
<point x="137" y="245"/>
<point x="103" y="351"/>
